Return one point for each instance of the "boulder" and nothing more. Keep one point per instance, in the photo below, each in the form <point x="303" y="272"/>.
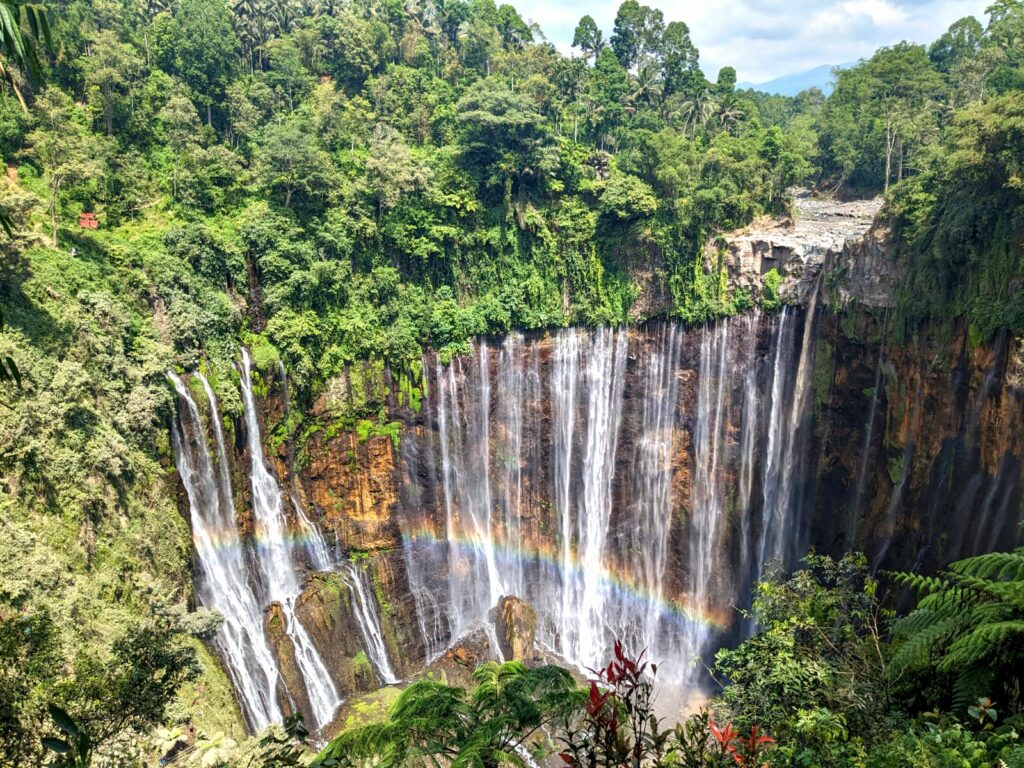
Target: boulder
<point x="516" y="626"/>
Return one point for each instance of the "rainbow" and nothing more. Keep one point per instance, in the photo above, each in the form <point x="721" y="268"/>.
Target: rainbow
<point x="623" y="586"/>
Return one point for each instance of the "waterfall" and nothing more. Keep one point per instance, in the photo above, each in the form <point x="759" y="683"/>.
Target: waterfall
<point x="709" y="515"/>
<point x="605" y="379"/>
<point x="313" y="540"/>
<point x="748" y="438"/>
<point x="790" y="514"/>
<point x="274" y="558"/>
<point x="426" y="564"/>
<point x="512" y="381"/>
<point x="559" y="461"/>
<point x="862" y="469"/>
<point x="368" y="620"/>
<point x="563" y="415"/>
<point x="223" y="572"/>
<point x="772" y="535"/>
<point x="474" y="585"/>
<point x="652" y="488"/>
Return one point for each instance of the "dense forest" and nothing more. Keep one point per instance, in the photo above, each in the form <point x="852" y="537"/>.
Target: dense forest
<point x="330" y="182"/>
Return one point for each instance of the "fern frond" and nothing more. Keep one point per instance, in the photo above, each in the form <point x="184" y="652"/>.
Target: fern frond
<point x="982" y="643"/>
<point x="998" y="566"/>
<point x="920" y="643"/>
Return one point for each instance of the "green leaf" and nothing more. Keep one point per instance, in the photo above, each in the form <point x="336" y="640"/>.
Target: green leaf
<point x="11" y="370"/>
<point x="63" y="720"/>
<point x="59" y="746"/>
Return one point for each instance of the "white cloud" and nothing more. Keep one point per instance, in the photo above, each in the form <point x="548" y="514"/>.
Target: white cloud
<point x="764" y="39"/>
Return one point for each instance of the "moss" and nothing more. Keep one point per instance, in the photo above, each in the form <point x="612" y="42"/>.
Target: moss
<point x="365" y="429"/>
<point x="823" y="373"/>
<point x="410" y="392"/>
<point x="265" y="356"/>
<point x="770" y="282"/>
<point x="379" y="593"/>
<point x="361" y="666"/>
<point x="209" y="702"/>
<point x="896" y="469"/>
<point x="371" y="707"/>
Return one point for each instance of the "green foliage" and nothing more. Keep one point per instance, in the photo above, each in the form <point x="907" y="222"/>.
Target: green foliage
<point x="433" y="722"/>
<point x="814" y="673"/>
<point x="770" y="282"/>
<point x="966" y="633"/>
<point x="962" y="223"/>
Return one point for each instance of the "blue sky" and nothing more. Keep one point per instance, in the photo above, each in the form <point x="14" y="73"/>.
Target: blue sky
<point x="764" y="39"/>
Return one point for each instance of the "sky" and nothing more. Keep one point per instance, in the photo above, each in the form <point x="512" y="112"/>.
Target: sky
<point x="764" y="39"/>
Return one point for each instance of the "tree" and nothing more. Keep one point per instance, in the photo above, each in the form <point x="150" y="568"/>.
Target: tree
<point x="681" y="65"/>
<point x="180" y="123"/>
<point x="433" y="723"/>
<point x="814" y="674"/>
<point x="609" y="85"/>
<point x="202" y="50"/>
<point x="392" y="171"/>
<point x="63" y="148"/>
<point x="966" y="634"/>
<point x="503" y="141"/>
<point x="588" y="38"/>
<point x="637" y="35"/>
<point x="959" y="42"/>
<point x="290" y="160"/>
<point x="110" y="69"/>
<point x="514" y="32"/>
<point x="726" y="83"/>
<point x="902" y="87"/>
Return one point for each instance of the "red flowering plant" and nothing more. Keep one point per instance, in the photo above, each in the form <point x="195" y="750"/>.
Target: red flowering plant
<point x="617" y="727"/>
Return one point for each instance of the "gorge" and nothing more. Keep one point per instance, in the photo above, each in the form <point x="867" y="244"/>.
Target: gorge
<point x="627" y="483"/>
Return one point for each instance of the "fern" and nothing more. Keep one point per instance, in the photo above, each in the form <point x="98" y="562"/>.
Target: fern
<point x="435" y="724"/>
<point x="968" y="626"/>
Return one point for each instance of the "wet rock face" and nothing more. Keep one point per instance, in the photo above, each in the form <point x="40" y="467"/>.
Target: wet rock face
<point x="352" y="484"/>
<point x="516" y="626"/>
<point x="291" y="692"/>
<point x="918" y="446"/>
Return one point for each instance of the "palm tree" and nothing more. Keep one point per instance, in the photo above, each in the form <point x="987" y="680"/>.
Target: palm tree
<point x="647" y="86"/>
<point x="697" y="110"/>
<point x="435" y="724"/>
<point x="22" y="27"/>
<point x="730" y="114"/>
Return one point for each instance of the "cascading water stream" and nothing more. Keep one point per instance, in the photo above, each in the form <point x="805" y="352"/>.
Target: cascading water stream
<point x="652" y="488"/>
<point x="368" y="620"/>
<point x="605" y="380"/>
<point x="223" y="571"/>
<point x="559" y="482"/>
<point x="274" y="558"/>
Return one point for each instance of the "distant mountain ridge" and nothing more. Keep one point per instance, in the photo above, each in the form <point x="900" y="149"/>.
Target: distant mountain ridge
<point x="795" y="82"/>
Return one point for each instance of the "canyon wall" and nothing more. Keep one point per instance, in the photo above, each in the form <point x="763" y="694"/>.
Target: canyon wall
<point x="633" y="484"/>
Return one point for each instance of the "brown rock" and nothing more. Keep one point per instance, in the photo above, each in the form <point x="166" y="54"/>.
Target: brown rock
<point x="516" y="625"/>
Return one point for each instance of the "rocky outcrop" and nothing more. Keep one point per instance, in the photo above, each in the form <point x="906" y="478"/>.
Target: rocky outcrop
<point x="291" y="693"/>
<point x="822" y="236"/>
<point x="516" y="627"/>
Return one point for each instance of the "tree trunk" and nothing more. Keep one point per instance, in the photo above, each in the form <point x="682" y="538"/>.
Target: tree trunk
<point x="54" y="192"/>
<point x="288" y="197"/>
<point x="890" y="141"/>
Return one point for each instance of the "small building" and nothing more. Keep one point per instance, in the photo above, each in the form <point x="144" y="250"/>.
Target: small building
<point x="88" y="221"/>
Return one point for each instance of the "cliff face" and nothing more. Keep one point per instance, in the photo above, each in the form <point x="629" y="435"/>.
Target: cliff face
<point x="917" y="446"/>
<point x="912" y="452"/>
<point x="839" y="241"/>
<point x="920" y="444"/>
